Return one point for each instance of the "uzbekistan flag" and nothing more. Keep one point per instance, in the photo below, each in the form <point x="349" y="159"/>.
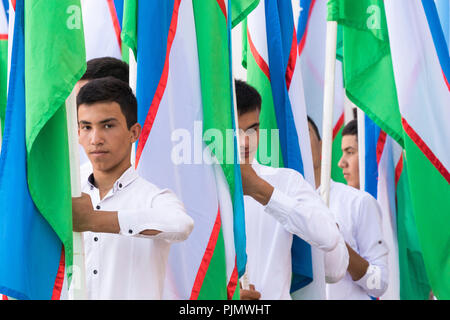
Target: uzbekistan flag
<point x="414" y="283"/>
<point x="102" y="20"/>
<point x="185" y="105"/>
<point x="421" y="65"/>
<point x="3" y="63"/>
<point x="35" y="197"/>
<point x="380" y="183"/>
<point x="271" y="59"/>
<point x="311" y="37"/>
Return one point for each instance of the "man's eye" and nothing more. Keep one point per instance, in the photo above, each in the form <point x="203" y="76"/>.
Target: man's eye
<point x="108" y="126"/>
<point x="85" y="127"/>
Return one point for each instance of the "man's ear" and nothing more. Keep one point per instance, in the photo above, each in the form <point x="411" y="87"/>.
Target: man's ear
<point x="135" y="131"/>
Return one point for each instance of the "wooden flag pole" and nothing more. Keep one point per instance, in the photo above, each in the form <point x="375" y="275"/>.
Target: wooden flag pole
<point x="77" y="290"/>
<point x="328" y="101"/>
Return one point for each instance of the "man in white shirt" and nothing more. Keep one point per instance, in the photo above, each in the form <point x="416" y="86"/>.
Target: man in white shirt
<point x="128" y="223"/>
<point x="279" y="203"/>
<point x="359" y="218"/>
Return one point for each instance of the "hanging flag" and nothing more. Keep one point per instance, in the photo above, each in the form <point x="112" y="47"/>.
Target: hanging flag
<point x="367" y="62"/>
<point x="3" y="64"/>
<point x="414" y="283"/>
<point x="102" y="28"/>
<point x="35" y="197"/>
<point x="184" y="92"/>
<point x="380" y="183"/>
<point x="311" y="35"/>
<point x="271" y="59"/>
<point x="421" y="65"/>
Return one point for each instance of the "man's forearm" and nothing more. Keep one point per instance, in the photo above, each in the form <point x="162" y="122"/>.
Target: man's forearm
<point x="108" y="222"/>
<point x="357" y="265"/>
<point x="262" y="192"/>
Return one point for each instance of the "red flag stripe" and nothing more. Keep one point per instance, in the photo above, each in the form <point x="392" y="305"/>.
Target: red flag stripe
<point x="259" y="60"/>
<point x="292" y="60"/>
<point x="153" y="110"/>
<point x="57" y="288"/>
<point x="115" y="21"/>
<point x="207" y="256"/>
<point x="338" y="125"/>
<point x="426" y="150"/>
<point x="223" y="7"/>
<point x="301" y="45"/>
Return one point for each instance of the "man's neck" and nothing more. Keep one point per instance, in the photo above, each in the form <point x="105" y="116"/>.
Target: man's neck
<point x="104" y="180"/>
<point x="317" y="173"/>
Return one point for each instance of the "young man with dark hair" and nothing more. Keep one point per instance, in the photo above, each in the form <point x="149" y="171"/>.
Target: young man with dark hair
<point x="279" y="203"/>
<point x="128" y="223"/>
<point x="359" y="218"/>
<point x="96" y="69"/>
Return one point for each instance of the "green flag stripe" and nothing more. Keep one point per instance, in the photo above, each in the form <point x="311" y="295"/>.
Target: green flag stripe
<point x="55" y="60"/>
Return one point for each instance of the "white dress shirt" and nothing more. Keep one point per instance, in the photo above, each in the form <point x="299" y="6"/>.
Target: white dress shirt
<point x="359" y="218"/>
<point x="294" y="208"/>
<point x="129" y="265"/>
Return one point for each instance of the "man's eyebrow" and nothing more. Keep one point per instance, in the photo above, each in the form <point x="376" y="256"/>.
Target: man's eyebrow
<point x="253" y="126"/>
<point x="108" y="120"/>
<point x="348" y="148"/>
<point x="101" y="122"/>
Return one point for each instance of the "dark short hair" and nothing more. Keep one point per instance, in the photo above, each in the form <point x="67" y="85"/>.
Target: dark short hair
<point x="107" y="67"/>
<point x="110" y="89"/>
<point x="247" y="98"/>
<point x="316" y="130"/>
<point x="351" y="128"/>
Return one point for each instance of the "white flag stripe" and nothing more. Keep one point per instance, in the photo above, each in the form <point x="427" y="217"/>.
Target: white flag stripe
<point x="420" y="83"/>
<point x="100" y="34"/>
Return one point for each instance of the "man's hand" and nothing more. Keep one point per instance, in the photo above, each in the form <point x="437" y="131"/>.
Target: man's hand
<point x="255" y="186"/>
<point x="82" y="213"/>
<point x="250" y="294"/>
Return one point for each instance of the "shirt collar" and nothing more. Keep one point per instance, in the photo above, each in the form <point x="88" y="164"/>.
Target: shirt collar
<point x="125" y="179"/>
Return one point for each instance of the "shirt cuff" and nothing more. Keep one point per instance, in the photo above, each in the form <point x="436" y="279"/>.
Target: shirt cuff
<point x="132" y="223"/>
<point x="372" y="282"/>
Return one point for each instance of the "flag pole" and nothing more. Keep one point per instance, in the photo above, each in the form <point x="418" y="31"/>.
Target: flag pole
<point x="362" y="149"/>
<point x="77" y="289"/>
<point x="133" y="86"/>
<point x="328" y="101"/>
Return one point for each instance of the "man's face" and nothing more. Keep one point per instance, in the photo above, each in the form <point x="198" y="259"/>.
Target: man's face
<point x="316" y="147"/>
<point x="248" y="135"/>
<point x="104" y="135"/>
<point x="349" y="161"/>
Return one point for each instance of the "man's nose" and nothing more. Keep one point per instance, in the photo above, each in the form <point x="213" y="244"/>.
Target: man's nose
<point x="342" y="163"/>
<point x="96" y="137"/>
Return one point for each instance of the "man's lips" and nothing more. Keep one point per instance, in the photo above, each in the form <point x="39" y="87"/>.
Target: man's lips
<point x="98" y="152"/>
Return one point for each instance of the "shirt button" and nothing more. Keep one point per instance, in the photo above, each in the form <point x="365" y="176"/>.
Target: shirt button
<point x="120" y="185"/>
<point x="130" y="231"/>
<point x="95" y="271"/>
<point x="95" y="239"/>
<point x="97" y="207"/>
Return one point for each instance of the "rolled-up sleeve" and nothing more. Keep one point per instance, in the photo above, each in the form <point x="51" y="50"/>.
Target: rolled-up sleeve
<point x="372" y="247"/>
<point x="303" y="213"/>
<point x="164" y="213"/>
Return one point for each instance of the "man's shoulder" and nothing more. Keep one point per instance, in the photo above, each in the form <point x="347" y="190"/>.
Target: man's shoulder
<point x="350" y="192"/>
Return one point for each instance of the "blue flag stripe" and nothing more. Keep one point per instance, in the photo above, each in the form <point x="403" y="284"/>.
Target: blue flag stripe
<point x="30" y="251"/>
